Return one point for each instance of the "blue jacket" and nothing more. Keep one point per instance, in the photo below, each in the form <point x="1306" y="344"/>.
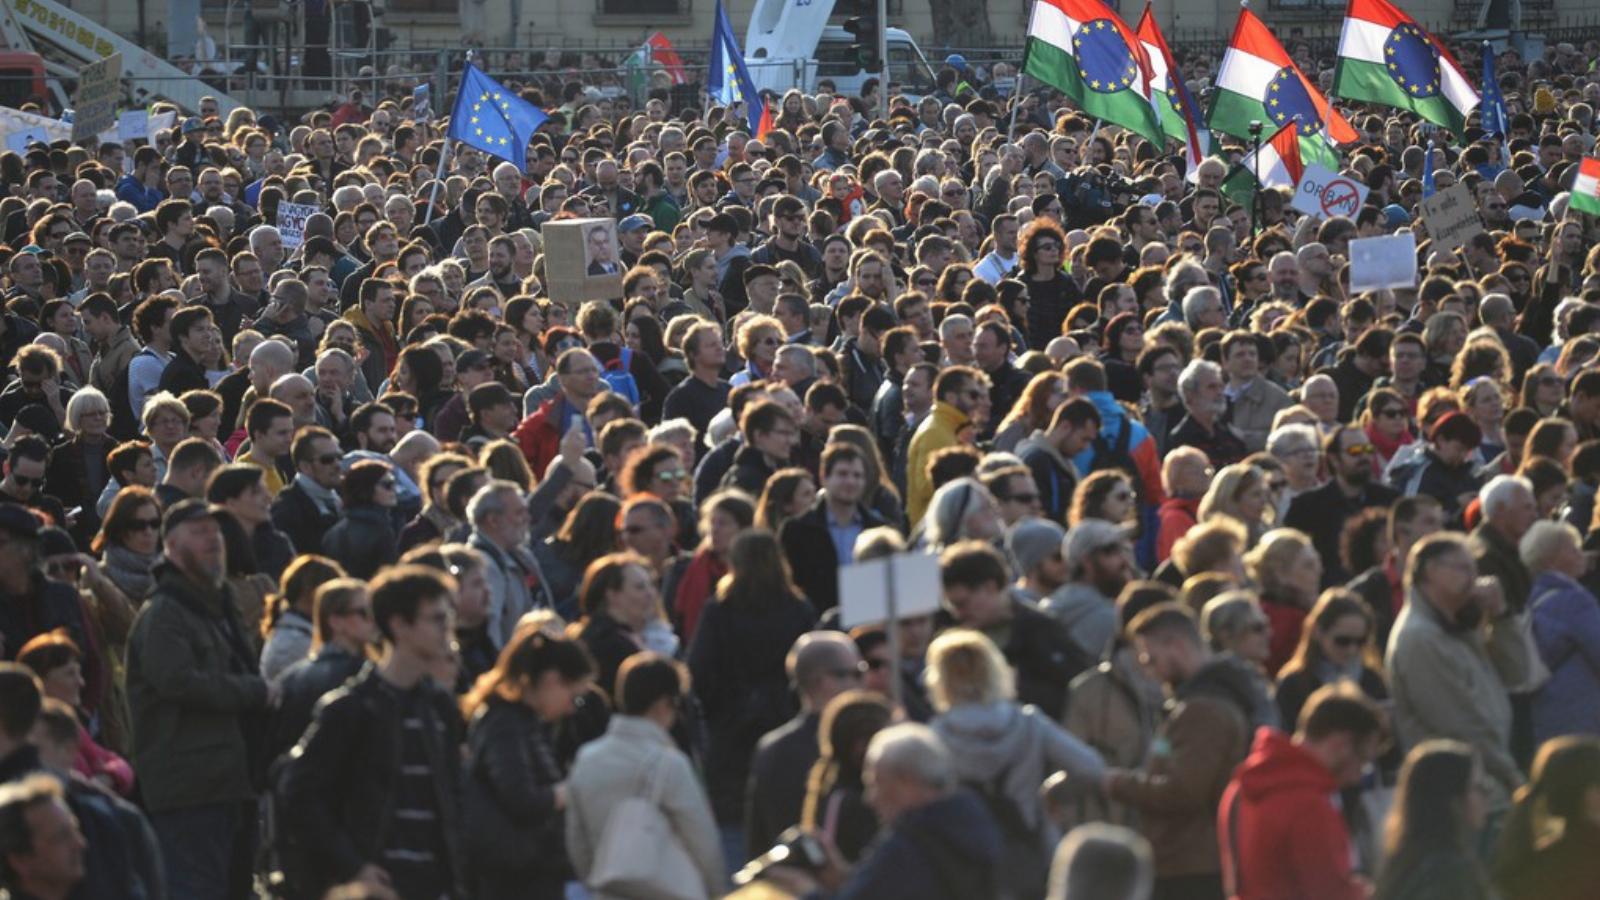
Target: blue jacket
<point x="1566" y="628"/>
<point x="143" y="199"/>
<point x="1146" y="458"/>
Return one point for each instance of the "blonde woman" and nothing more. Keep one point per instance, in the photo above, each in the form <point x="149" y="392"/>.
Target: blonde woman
<point x="1239" y="492"/>
<point x="1007" y="747"/>
<point x="1288" y="574"/>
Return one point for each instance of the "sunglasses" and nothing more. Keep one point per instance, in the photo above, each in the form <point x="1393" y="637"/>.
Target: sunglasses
<point x="1348" y="642"/>
<point x="145" y="525"/>
<point x="328" y="459"/>
<point x="25" y="481"/>
<point x="1360" y="450"/>
<point x="672" y="475"/>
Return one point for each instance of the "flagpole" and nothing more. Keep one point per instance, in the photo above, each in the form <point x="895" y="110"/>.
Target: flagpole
<point x="1094" y="133"/>
<point x="1255" y="172"/>
<point x="1016" y="106"/>
<point x="438" y="176"/>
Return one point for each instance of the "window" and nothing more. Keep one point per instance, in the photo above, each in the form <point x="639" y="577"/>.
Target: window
<point x="641" y="7"/>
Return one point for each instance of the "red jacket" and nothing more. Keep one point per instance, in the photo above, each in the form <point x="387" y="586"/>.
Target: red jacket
<point x="539" y="435"/>
<point x="1281" y="836"/>
<point x="1178" y="515"/>
<point x="1287" y="622"/>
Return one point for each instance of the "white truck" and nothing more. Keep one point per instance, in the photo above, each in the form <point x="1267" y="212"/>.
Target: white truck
<point x="791" y="45"/>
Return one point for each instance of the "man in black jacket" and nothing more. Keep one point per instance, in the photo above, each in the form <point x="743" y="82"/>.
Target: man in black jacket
<point x="770" y="437"/>
<point x="309" y="506"/>
<point x="190" y="329"/>
<point x="1037" y="646"/>
<point x="820" y="540"/>
<point x="1322" y="513"/>
<point x="371" y="793"/>
<point x="821" y="666"/>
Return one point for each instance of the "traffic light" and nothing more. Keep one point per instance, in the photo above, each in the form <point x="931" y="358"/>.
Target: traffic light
<point x="865" y="48"/>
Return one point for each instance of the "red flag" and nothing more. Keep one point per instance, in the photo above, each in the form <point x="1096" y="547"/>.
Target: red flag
<point x="662" y="51"/>
<point x="765" y="125"/>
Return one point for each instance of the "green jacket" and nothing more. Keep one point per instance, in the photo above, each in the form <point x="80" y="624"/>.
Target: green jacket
<point x="663" y="212"/>
<point x="195" y="693"/>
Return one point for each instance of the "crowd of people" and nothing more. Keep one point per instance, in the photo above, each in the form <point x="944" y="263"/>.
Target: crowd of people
<point x="350" y="563"/>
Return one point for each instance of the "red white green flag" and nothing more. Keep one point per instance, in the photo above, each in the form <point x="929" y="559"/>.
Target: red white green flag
<point x="1277" y="164"/>
<point x="1258" y="81"/>
<point x="1586" y="187"/>
<point x="1386" y="57"/>
<point x="1082" y="49"/>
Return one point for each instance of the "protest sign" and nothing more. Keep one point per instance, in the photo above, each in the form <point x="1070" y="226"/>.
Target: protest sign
<point x="910" y="580"/>
<point x="1451" y="217"/>
<point x="292" y="223"/>
<point x="95" y="104"/>
<point x="1325" y="193"/>
<point x="1383" y="262"/>
<point x="133" y="125"/>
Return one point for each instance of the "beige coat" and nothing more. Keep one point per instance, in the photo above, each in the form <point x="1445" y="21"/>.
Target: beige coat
<point x="1253" y="410"/>
<point x="613" y="769"/>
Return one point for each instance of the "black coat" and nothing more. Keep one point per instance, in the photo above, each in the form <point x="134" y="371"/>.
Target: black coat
<point x="183" y="373"/>
<point x="304" y="683"/>
<point x="778" y="776"/>
<point x="1045" y="657"/>
<point x="339" y="787"/>
<point x="750" y="471"/>
<point x="363" y="542"/>
<point x="610" y="644"/>
<point x="736" y="659"/>
<point x="513" y="834"/>
<point x="300" y="519"/>
<point x="811" y="554"/>
<point x="1322" y="514"/>
<point x="66" y="477"/>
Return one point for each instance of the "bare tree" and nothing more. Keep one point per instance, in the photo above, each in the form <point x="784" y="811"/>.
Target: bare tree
<point x="961" y="23"/>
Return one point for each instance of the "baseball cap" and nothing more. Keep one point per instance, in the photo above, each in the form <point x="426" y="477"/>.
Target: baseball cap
<point x="1087" y="537"/>
<point x="183" y="511"/>
<point x="1031" y="540"/>
<point x="956" y="61"/>
<point x="192" y="124"/>
<point x="1395" y="215"/>
<point x="635" y="222"/>
<point x="472" y="359"/>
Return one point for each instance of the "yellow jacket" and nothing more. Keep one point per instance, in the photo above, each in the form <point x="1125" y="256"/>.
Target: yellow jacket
<point x="944" y="427"/>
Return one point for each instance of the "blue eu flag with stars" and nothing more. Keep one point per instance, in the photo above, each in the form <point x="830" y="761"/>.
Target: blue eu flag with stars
<point x="1493" y="110"/>
<point x="493" y="119"/>
<point x="728" y="82"/>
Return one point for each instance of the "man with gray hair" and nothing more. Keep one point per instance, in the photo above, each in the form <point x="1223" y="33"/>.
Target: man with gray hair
<point x="267" y="244"/>
<point x="821" y="666"/>
<point x="937" y="842"/>
<point x="500" y="521"/>
<point x="1202" y="308"/>
<point x="285" y="316"/>
<point x="1204" y="425"/>
<point x="1509" y="511"/>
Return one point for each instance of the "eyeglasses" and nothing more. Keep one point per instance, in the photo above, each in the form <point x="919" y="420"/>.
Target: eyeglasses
<point x="1048" y="246"/>
<point x="145" y="525"/>
<point x="926" y="282"/>
<point x="1121" y="496"/>
<point x="1348" y="642"/>
<point x="672" y="475"/>
<point x="329" y="459"/>
<point x="1360" y="450"/>
<point x="25" y="481"/>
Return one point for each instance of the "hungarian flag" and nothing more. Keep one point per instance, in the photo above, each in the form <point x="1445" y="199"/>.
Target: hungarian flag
<point x="1180" y="119"/>
<point x="1586" y="187"/>
<point x="1277" y="164"/>
<point x="1386" y="57"/>
<point x="1081" y="48"/>
<point x="1258" y="80"/>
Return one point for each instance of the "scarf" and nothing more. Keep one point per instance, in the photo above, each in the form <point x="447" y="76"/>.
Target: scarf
<point x="698" y="584"/>
<point x="325" y="499"/>
<point x="1387" y="447"/>
<point x="132" y="572"/>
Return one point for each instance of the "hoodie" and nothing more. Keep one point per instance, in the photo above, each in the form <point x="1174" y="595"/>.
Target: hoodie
<point x="1177" y="516"/>
<point x="1015" y="748"/>
<point x="1281" y="782"/>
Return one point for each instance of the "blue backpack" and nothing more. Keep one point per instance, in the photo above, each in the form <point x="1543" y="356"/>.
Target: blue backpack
<point x="620" y="379"/>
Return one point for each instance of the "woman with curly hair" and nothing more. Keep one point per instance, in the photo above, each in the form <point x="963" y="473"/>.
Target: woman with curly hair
<point x="1106" y="495"/>
<point x="1052" y="292"/>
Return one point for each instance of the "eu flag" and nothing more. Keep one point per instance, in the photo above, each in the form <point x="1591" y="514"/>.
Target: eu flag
<point x="729" y="82"/>
<point x="493" y="119"/>
<point x="1493" y="110"/>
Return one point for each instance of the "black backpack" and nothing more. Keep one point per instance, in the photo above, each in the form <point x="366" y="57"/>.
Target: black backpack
<point x="1024" y="865"/>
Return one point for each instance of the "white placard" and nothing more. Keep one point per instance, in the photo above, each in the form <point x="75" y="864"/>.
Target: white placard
<point x="1383" y="262"/>
<point x="133" y="125"/>
<point x="864" y="588"/>
<point x="95" y="104"/>
<point x="292" y="222"/>
<point x="1325" y="193"/>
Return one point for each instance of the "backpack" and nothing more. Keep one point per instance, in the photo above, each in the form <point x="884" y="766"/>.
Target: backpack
<point x="617" y="375"/>
<point x="1024" y="866"/>
<point x="124" y="424"/>
<point x="1118" y="456"/>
